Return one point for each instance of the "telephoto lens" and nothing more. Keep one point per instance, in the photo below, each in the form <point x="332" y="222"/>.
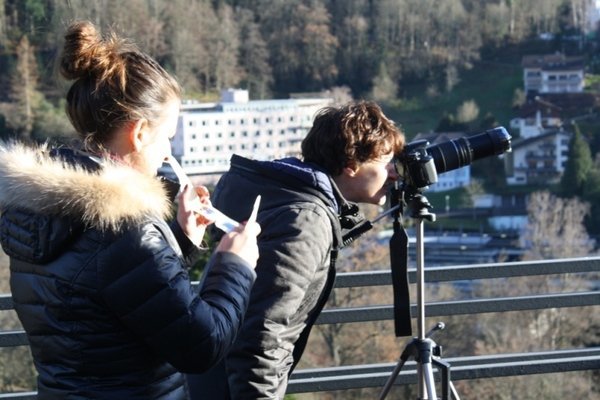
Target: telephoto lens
<point x="463" y="151"/>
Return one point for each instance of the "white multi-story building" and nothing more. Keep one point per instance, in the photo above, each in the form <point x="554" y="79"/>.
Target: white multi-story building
<point x="553" y="73"/>
<point x="538" y="159"/>
<point x="209" y="133"/>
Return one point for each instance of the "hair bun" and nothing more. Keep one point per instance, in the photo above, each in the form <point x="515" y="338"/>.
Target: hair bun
<point x="87" y="53"/>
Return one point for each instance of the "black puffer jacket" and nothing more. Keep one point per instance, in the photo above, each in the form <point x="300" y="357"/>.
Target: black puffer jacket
<point x="300" y="233"/>
<point x="99" y="280"/>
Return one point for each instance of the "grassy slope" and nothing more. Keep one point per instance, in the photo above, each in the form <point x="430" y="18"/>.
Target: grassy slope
<point x="491" y="85"/>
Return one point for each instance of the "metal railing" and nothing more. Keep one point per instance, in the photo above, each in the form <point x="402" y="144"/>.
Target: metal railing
<point x="463" y="368"/>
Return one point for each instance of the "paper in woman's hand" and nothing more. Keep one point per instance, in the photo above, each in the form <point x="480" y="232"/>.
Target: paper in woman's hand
<point x="221" y="221"/>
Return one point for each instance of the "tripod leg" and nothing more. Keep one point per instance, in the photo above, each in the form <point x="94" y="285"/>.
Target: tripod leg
<point x="409" y="350"/>
<point x="447" y="385"/>
<point x="392" y="379"/>
<point x="429" y="392"/>
<point x="453" y="391"/>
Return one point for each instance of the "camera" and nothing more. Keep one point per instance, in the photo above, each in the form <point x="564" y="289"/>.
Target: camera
<point x="419" y="164"/>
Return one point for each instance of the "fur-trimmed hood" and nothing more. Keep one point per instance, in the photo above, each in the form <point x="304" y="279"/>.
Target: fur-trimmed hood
<point x="108" y="198"/>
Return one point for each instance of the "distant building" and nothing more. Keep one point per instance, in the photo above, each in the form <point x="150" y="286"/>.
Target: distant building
<point x="450" y="179"/>
<point x="536" y="115"/>
<point x="552" y="110"/>
<point x="538" y="159"/>
<point x="209" y="133"/>
<point x="553" y="73"/>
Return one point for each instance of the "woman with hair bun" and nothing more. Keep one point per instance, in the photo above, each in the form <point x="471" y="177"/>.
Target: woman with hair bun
<point x="98" y="276"/>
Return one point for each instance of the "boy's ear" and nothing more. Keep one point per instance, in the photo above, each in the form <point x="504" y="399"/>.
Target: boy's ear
<point x="350" y="170"/>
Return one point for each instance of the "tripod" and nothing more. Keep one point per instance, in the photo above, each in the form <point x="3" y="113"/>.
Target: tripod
<point x="422" y="348"/>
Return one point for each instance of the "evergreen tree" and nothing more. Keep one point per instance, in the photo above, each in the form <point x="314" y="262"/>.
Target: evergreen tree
<point x="578" y="165"/>
<point x="591" y="194"/>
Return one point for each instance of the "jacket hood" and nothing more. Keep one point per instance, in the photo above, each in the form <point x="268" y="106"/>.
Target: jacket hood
<point x="106" y="199"/>
<point x="310" y="174"/>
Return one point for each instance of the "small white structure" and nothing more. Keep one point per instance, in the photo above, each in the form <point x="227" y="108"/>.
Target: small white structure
<point x="209" y="133"/>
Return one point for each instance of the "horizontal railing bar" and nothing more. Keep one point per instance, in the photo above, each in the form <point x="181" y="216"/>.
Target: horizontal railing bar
<point x="13" y="338"/>
<point x="454" y="361"/>
<point x="378" y="377"/>
<point x="475" y="271"/>
<point x="19" y="396"/>
<point x="6" y="302"/>
<point x="448" y="273"/>
<point x="459" y="307"/>
<point x="446" y="308"/>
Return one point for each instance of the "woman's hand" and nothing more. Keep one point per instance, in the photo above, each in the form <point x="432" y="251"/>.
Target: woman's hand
<point x="193" y="224"/>
<point x="242" y="241"/>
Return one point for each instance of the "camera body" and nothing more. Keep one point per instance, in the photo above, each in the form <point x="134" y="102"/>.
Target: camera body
<point x="419" y="164"/>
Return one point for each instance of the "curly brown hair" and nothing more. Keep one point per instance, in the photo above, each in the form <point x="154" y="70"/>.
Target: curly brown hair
<point x="114" y="83"/>
<point x="349" y="135"/>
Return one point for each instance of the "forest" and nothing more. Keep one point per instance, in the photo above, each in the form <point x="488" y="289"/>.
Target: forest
<point x="373" y="49"/>
<point x="384" y="50"/>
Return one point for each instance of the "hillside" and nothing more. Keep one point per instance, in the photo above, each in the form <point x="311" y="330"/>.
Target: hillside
<point x="490" y="84"/>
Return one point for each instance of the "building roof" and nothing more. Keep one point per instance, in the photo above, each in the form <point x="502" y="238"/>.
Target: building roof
<point x="551" y="62"/>
<point x="439" y="137"/>
<point x="523" y="142"/>
<point x="562" y="105"/>
<point x="539" y="104"/>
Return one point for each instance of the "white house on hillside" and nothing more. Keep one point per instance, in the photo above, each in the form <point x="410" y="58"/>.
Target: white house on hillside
<point x="209" y="133"/>
<point x="538" y="159"/>
<point x="553" y="73"/>
<point x="536" y="115"/>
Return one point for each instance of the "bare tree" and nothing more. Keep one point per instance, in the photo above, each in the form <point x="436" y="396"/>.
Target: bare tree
<point x="467" y="112"/>
<point x="555" y="228"/>
<point x="23" y="90"/>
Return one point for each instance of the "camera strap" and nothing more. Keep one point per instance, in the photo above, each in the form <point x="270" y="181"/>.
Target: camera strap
<point x="399" y="266"/>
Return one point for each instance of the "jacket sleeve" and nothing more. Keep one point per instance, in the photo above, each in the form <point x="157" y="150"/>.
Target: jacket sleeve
<point x="191" y="252"/>
<point x="145" y="284"/>
<point x="292" y="271"/>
